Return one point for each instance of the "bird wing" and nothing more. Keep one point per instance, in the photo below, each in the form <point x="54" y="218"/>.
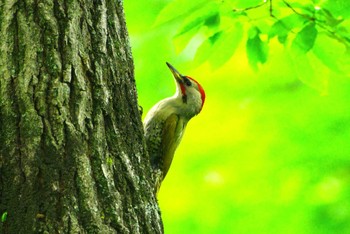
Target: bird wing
<point x="162" y="138"/>
<point x="171" y="135"/>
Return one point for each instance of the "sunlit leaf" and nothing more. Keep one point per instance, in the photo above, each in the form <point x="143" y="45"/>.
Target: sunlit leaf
<point x="207" y="47"/>
<point x="220" y="47"/>
<point x="307" y="8"/>
<point x="332" y="54"/>
<point x="257" y="50"/>
<point x="282" y="27"/>
<point x="337" y="7"/>
<point x="179" y="9"/>
<point x="181" y="42"/>
<point x="193" y="24"/>
<point x="280" y="30"/>
<point x="305" y="39"/>
<point x="203" y="52"/>
<point x="344" y="31"/>
<point x="326" y="16"/>
<point x="247" y="3"/>
<point x="213" y="20"/>
<point x="226" y="45"/>
<point x="293" y="21"/>
<point x="213" y="39"/>
<point x="329" y="51"/>
<point x="208" y="16"/>
<point x="308" y="71"/>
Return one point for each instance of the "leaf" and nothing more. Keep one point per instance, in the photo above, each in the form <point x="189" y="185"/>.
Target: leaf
<point x="344" y="33"/>
<point x="201" y="17"/>
<point x="194" y="24"/>
<point x="213" y="20"/>
<point x="304" y="8"/>
<point x="213" y="39"/>
<point x="220" y="47"/>
<point x="207" y="15"/>
<point x="181" y="42"/>
<point x="247" y="3"/>
<point x="203" y="52"/>
<point x="328" y="51"/>
<point x="293" y="21"/>
<point x="280" y="30"/>
<point x="305" y="39"/>
<point x="226" y="45"/>
<point x="179" y="9"/>
<point x="339" y="8"/>
<point x="257" y="50"/>
<point x="305" y="68"/>
<point x="327" y="17"/>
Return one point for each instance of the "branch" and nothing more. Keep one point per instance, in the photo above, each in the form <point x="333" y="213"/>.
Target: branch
<point x="319" y="23"/>
<point x="271" y="9"/>
<point x="298" y="13"/>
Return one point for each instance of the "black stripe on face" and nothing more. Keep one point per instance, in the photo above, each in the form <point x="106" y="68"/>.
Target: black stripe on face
<point x="184" y="98"/>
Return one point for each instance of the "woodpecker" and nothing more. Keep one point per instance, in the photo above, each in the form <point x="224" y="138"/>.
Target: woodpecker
<point x="165" y="123"/>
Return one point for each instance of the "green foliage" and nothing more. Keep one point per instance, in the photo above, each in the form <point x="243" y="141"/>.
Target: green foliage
<point x="305" y="38"/>
<point x="269" y="152"/>
<point x="296" y="24"/>
<point x="181" y="9"/>
<point x="218" y="48"/>
<point x="340" y="8"/>
<point x="256" y="48"/>
<point x="279" y="29"/>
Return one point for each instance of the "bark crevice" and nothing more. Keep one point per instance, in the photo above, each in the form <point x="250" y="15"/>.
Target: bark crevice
<point x="72" y="155"/>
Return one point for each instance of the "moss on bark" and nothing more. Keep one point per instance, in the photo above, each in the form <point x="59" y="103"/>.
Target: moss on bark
<point x="72" y="156"/>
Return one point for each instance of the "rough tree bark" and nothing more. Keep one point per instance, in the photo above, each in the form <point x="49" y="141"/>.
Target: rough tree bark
<point x="72" y="156"/>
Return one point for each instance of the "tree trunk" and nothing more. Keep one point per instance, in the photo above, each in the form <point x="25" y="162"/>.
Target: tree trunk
<point x="72" y="156"/>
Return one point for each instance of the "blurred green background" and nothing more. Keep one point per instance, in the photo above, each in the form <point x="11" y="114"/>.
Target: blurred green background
<point x="269" y="153"/>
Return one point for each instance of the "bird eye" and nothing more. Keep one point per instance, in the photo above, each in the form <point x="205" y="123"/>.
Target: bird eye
<point x="187" y="81"/>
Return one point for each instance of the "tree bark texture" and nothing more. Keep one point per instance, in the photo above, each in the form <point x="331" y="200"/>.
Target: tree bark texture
<point x="72" y="156"/>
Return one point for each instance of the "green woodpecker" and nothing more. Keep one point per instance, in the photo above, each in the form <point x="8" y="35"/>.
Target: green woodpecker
<point x="165" y="123"/>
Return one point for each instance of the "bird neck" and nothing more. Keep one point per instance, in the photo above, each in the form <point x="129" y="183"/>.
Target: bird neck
<point x="187" y="105"/>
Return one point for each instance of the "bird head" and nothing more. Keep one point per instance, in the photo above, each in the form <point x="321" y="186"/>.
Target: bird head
<point x="190" y="92"/>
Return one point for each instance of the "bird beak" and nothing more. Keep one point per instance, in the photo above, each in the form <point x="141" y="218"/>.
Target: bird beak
<point x="177" y="75"/>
